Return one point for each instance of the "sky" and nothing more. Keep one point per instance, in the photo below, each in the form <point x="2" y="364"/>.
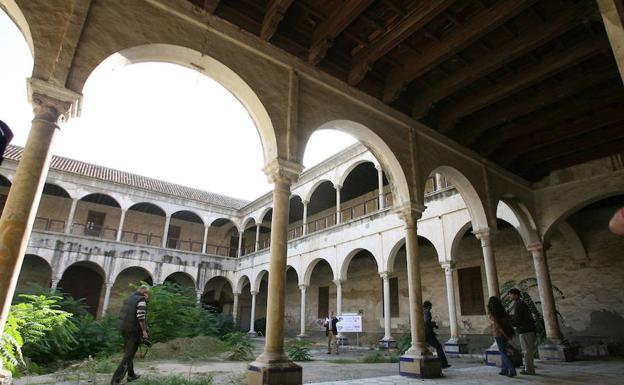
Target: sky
<point x="154" y="119"/>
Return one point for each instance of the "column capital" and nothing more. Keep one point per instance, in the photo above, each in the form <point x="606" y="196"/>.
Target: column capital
<point x="235" y="294"/>
<point x="484" y="234"/>
<point x="384" y="274"/>
<point x="254" y="292"/>
<point x="338" y="282"/>
<point x="282" y="171"/>
<point x="305" y="202"/>
<point x="410" y="213"/>
<point x="448" y="266"/>
<point x="54" y="101"/>
<point x="536" y="246"/>
<point x="338" y="186"/>
<point x="303" y="287"/>
<point x="378" y="166"/>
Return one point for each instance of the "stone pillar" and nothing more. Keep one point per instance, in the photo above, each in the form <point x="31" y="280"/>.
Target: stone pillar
<point x="304" y="230"/>
<point x="51" y="104"/>
<point x="166" y="231"/>
<point x="302" y="334"/>
<point x="341" y="339"/>
<point x="273" y="366"/>
<point x="438" y="182"/>
<point x="553" y="348"/>
<point x="485" y="236"/>
<point x="612" y="12"/>
<point x="257" y="245"/>
<point x="121" y="223"/>
<point x="382" y="204"/>
<point x="205" y="240"/>
<point x="199" y="294"/>
<point x="418" y="361"/>
<point x="252" y="318"/>
<point x="70" y="217"/>
<point x="387" y="341"/>
<point x="454" y="346"/>
<point x="54" y="284"/>
<point x="235" y="308"/>
<point x="239" y="253"/>
<point x="338" y="216"/>
<point x="109" y="286"/>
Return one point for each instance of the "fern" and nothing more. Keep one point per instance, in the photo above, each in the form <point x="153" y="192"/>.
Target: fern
<point x="11" y="346"/>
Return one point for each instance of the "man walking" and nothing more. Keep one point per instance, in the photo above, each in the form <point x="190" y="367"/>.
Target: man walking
<point x="522" y="319"/>
<point x="133" y="328"/>
<point x="430" y="335"/>
<point x="331" y="330"/>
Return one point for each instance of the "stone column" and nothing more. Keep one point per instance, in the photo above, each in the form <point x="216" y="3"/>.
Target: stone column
<point x="338" y="216"/>
<point x="485" y="236"/>
<point x="54" y="284"/>
<point x="257" y="245"/>
<point x="553" y="348"/>
<point x="205" y="240"/>
<point x="199" y="294"/>
<point x="418" y="361"/>
<point x="239" y="253"/>
<point x="455" y="345"/>
<point x="338" y="282"/>
<point x="121" y="223"/>
<point x="252" y="318"/>
<point x="380" y="186"/>
<point x="51" y="104"/>
<point x="438" y="182"/>
<point x="273" y="366"/>
<point x="109" y="286"/>
<point x="235" y="308"/>
<point x="166" y="231"/>
<point x="302" y="334"/>
<point x="387" y="340"/>
<point x="70" y="217"/>
<point x="613" y="18"/>
<point x="304" y="229"/>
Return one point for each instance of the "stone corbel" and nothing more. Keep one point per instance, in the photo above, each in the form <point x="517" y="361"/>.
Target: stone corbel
<point x="43" y="95"/>
<point x="282" y="171"/>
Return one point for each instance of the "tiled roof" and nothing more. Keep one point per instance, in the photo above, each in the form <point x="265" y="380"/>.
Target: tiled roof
<point x="133" y="180"/>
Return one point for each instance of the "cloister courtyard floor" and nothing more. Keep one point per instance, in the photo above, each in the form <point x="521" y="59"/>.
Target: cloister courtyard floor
<point x="347" y="369"/>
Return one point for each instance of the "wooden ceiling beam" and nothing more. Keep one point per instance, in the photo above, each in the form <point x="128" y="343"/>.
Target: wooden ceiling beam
<point x="500" y="115"/>
<point x="549" y="66"/>
<point x="498" y="138"/>
<point x="490" y="62"/>
<point x="211" y="5"/>
<point x="272" y="17"/>
<point x="480" y="25"/>
<point x="324" y="35"/>
<point x="417" y="18"/>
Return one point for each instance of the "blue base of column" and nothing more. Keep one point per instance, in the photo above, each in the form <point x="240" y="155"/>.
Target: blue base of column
<point x="420" y="367"/>
<point x="387" y="344"/>
<point x="455" y="349"/>
<point x="492" y="357"/>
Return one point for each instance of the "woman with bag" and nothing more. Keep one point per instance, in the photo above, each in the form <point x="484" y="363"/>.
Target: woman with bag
<point x="503" y="333"/>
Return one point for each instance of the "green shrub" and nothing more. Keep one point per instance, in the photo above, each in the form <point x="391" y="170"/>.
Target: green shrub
<point x="239" y="347"/>
<point x="172" y="313"/>
<point x="299" y="350"/>
<point x="260" y="326"/>
<point x="11" y="345"/>
<point x="196" y="348"/>
<point x="95" y="338"/>
<point x="404" y="342"/>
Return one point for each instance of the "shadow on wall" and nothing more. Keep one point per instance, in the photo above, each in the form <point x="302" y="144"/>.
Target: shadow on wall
<point x="604" y="324"/>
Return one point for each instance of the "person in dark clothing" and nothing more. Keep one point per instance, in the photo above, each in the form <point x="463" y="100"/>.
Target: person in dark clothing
<point x="331" y="330"/>
<point x="503" y="332"/>
<point x="430" y="335"/>
<point x="133" y="328"/>
<point x="522" y="319"/>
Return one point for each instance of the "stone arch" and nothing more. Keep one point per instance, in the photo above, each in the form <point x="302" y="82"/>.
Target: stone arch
<point x="247" y="221"/>
<point x="84" y="279"/>
<point x="288" y="267"/>
<point x="225" y="278"/>
<point x="469" y="194"/>
<point x="56" y="190"/>
<point x="315" y="186"/>
<point x="347" y="260"/>
<point x="390" y="260"/>
<point x="182" y="278"/>
<point x="380" y="150"/>
<point x="258" y="279"/>
<point x="263" y="213"/>
<point x="241" y="283"/>
<point x="575" y="203"/>
<point x="350" y="168"/>
<point x="222" y="298"/>
<point x="110" y="199"/>
<point x="140" y="268"/>
<point x="516" y="214"/>
<point x="35" y="271"/>
<point x="15" y="14"/>
<point x="574" y="242"/>
<point x="4" y="181"/>
<point x="190" y="58"/>
<point x="310" y="268"/>
<point x="457" y="239"/>
<point x="187" y="215"/>
<point x="148" y="208"/>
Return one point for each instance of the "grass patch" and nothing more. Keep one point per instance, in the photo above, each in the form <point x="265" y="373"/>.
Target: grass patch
<point x="379" y="357"/>
<point x="186" y="349"/>
<point x="175" y="380"/>
<point x="345" y="361"/>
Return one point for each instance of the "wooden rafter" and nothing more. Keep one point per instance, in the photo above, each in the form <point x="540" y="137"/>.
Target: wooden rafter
<point x="273" y="16"/>
<point x="547" y="68"/>
<point x="495" y="59"/>
<point x="500" y="115"/>
<point x="473" y="29"/>
<point x="412" y="22"/>
<point x="338" y="21"/>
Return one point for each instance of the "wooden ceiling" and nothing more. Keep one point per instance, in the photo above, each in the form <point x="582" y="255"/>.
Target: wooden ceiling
<point x="531" y="85"/>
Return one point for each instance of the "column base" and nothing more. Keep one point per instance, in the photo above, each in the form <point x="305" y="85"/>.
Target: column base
<point x="556" y="350"/>
<point x="387" y="343"/>
<point x="280" y="371"/>
<point x="454" y="347"/>
<point x="302" y="337"/>
<point x="420" y="367"/>
<point x="252" y="334"/>
<point x="492" y="355"/>
<point x="5" y="376"/>
<point x="342" y="340"/>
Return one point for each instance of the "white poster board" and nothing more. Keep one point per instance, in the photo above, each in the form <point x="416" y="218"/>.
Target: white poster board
<point x="349" y="323"/>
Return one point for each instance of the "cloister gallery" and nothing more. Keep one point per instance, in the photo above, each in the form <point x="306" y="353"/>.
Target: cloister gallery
<point x="490" y="152"/>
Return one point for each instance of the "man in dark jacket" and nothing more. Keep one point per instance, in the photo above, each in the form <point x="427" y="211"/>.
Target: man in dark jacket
<point x="522" y="319"/>
<point x="430" y="335"/>
<point x="331" y="330"/>
<point x="133" y="328"/>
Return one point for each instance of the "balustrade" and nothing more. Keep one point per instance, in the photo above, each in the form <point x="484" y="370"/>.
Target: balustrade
<point x="47" y="224"/>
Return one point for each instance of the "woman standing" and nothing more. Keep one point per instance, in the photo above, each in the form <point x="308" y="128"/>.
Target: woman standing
<point x="503" y="332"/>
